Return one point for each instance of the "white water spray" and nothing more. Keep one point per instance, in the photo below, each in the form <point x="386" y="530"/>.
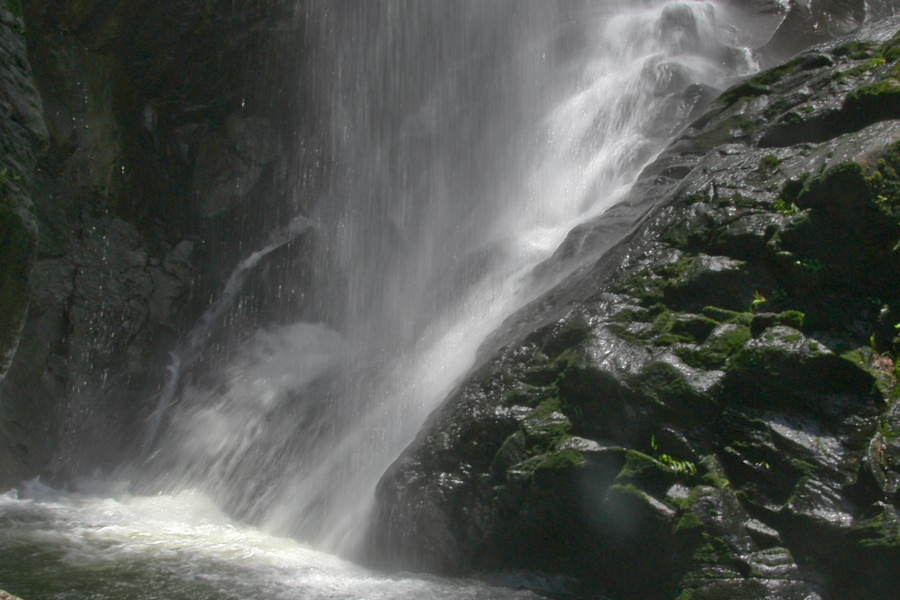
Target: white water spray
<point x="469" y="138"/>
<point x="185" y="356"/>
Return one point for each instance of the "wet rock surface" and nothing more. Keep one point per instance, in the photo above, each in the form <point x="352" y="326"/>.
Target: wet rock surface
<point x="709" y="409"/>
<point x="137" y="139"/>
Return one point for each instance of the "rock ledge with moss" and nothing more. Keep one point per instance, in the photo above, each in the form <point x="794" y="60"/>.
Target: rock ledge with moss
<point x="710" y="410"/>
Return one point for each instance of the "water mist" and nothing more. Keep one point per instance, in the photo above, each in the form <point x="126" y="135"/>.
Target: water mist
<point x="467" y="138"/>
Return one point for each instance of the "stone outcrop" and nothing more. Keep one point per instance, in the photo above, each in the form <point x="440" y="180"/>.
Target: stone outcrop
<point x="137" y="135"/>
<point x="711" y="409"/>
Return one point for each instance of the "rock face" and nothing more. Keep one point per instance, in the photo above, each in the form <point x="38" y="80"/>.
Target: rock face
<point x="132" y="133"/>
<point x="710" y="411"/>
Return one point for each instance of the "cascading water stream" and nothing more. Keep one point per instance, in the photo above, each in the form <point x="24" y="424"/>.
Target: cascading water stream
<point x="185" y="356"/>
<point x="467" y="138"/>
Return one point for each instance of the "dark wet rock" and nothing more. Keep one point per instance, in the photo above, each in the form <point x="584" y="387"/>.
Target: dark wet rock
<point x="810" y="22"/>
<point x="129" y="135"/>
<point x="24" y="135"/>
<point x="709" y="409"/>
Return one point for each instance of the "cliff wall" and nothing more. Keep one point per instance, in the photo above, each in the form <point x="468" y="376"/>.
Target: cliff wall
<point x="138" y="143"/>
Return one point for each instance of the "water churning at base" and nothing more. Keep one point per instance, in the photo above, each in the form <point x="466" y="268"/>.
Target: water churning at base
<point x="466" y="139"/>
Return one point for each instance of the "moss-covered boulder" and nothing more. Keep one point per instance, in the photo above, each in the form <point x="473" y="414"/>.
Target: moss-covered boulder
<point x="708" y="410"/>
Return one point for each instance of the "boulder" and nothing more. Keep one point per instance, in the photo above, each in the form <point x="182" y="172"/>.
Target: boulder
<point x="707" y="410"/>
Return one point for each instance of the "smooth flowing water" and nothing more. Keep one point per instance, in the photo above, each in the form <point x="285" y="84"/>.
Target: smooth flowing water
<point x="466" y="137"/>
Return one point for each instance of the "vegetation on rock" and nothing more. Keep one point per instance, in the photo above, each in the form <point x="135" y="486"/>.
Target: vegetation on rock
<point x="729" y="404"/>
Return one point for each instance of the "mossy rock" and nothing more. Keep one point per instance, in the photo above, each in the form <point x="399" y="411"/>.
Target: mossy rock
<point x="872" y="103"/>
<point x="790" y="318"/>
<point x="779" y="371"/>
<point x="848" y="236"/>
<point x="646" y="472"/>
<point x="722" y="343"/>
<point x="879" y="532"/>
<point x="857" y="49"/>
<point x="673" y="391"/>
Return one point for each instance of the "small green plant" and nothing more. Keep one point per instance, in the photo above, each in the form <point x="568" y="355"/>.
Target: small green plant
<point x="769" y="162"/>
<point x="681" y="467"/>
<point x="810" y="264"/>
<point x="782" y="207"/>
<point x="758" y="301"/>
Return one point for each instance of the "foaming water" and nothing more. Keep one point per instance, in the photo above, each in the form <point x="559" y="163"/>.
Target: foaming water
<point x="180" y="546"/>
<point x="468" y="138"/>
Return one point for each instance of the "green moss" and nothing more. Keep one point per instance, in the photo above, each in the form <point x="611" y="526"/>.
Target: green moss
<point x="745" y="91"/>
<point x="561" y="460"/>
<point x="784" y="208"/>
<point x="689" y="522"/>
<point x="807" y="469"/>
<point x="624" y="333"/>
<point x="565" y="360"/>
<point x="630" y="315"/>
<point x="772" y="76"/>
<point x="886" y="88"/>
<point x="791" y="318"/>
<point x="539" y="446"/>
<point x="874" y="102"/>
<point x="881" y="532"/>
<point x="629" y="491"/>
<point x="664" y="384"/>
<point x="729" y="341"/>
<point x="891" y="50"/>
<point x="769" y="162"/>
<point x="864" y="67"/>
<point x="670" y="339"/>
<point x="547" y="422"/>
<point x="715" y="480"/>
<point x="718" y="347"/>
<point x="694" y="327"/>
<point x="663" y="322"/>
<point x="523" y="395"/>
<point x="856" y="49"/>
<point x="714" y="552"/>
<point x="638" y="466"/>
<point x="721" y="315"/>
<point x="884" y="428"/>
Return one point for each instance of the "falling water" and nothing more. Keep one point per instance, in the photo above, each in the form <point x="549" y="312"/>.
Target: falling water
<point x="185" y="356"/>
<point x="466" y="138"/>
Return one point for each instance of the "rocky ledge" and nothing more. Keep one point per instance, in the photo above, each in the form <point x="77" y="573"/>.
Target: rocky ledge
<point x="710" y="411"/>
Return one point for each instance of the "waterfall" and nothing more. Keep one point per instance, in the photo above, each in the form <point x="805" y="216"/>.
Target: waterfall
<point x="466" y="138"/>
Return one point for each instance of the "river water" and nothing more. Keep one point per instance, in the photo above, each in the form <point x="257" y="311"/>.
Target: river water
<point x="115" y="546"/>
<point x="466" y="138"/>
